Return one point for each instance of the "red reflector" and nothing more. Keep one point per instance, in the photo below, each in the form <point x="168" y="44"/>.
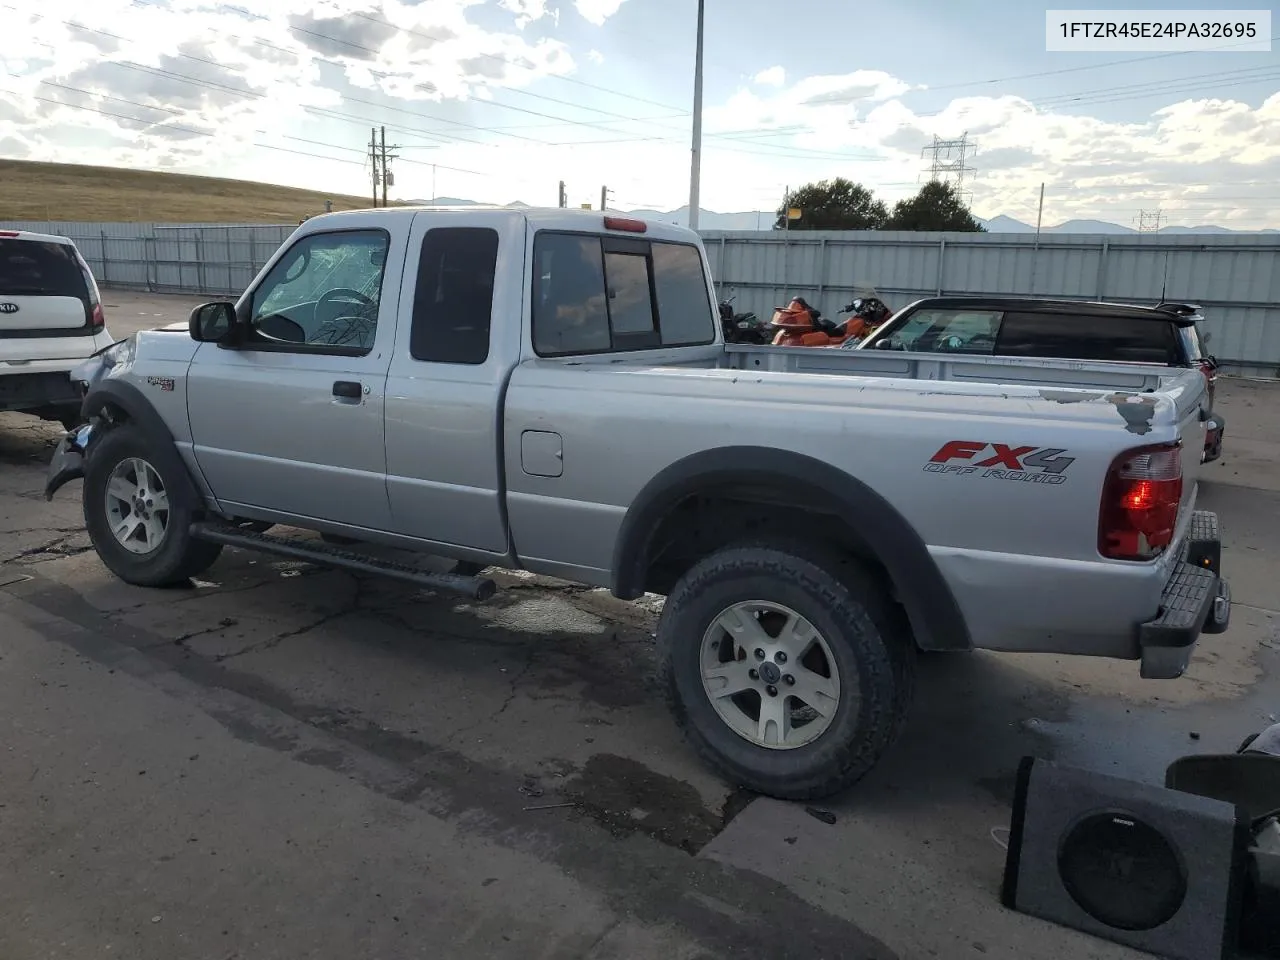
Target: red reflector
<point x="623" y="223"/>
<point x="1140" y="501"/>
<point x="10" y="233"/>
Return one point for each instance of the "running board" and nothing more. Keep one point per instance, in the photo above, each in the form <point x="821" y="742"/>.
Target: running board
<point x="477" y="588"/>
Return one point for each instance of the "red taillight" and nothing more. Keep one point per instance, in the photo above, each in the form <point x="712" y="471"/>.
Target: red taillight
<point x="10" y="233"/>
<point x="98" y="319"/>
<point x="623" y="223"/>
<point x="1140" y="500"/>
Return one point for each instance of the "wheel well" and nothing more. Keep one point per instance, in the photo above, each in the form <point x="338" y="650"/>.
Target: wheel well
<point x="709" y="520"/>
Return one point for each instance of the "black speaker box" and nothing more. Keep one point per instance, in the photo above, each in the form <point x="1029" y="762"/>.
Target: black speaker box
<point x="1151" y="868"/>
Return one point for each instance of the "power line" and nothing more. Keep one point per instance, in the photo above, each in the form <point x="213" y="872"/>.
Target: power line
<point x="1090" y="66"/>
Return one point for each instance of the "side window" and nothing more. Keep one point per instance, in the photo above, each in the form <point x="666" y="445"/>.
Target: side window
<point x="569" y="312"/>
<point x="324" y="292"/>
<point x="453" y="299"/>
<point x="592" y="295"/>
<point x="1048" y="335"/>
<point x="948" y="331"/>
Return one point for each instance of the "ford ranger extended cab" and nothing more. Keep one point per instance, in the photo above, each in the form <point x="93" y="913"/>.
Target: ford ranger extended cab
<point x="550" y="391"/>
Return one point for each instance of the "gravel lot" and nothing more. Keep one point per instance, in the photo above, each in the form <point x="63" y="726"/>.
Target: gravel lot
<point x="289" y="762"/>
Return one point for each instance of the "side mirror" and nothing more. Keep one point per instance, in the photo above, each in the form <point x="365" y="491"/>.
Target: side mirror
<point x="211" y="322"/>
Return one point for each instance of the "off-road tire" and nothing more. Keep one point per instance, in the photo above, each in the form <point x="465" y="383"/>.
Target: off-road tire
<point x="180" y="556"/>
<point x="868" y="635"/>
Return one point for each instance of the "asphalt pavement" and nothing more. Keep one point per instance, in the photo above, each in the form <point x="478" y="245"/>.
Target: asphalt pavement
<point x="285" y="761"/>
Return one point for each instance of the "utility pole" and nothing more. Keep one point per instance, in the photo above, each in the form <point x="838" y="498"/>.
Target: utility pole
<point x="384" y="166"/>
<point x="695" y="174"/>
<point x="604" y="197"/>
<point x="1035" y="253"/>
<point x="564" y="200"/>
<point x="373" y="160"/>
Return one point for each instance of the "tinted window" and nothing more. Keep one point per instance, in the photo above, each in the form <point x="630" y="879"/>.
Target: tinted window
<point x="949" y="331"/>
<point x="630" y="306"/>
<point x="575" y="311"/>
<point x="453" y="300"/>
<point x="33" y="268"/>
<point x="684" y="310"/>
<point x="569" y="313"/>
<point x="1048" y="335"/>
<point x="324" y="291"/>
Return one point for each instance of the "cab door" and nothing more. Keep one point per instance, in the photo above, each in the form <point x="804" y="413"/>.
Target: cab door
<point x="289" y="419"/>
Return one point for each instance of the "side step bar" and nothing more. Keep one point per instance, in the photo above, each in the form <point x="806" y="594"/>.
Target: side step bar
<point x="476" y="588"/>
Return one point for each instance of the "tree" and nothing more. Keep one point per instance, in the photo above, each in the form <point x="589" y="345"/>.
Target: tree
<point x="837" y="204"/>
<point x="936" y="207"/>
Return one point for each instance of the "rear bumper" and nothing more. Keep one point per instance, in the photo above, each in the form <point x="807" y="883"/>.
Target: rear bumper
<point x="1196" y="599"/>
<point x="41" y="389"/>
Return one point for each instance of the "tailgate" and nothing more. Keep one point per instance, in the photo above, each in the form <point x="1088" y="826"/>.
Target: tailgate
<point x="39" y="313"/>
<point x="43" y="287"/>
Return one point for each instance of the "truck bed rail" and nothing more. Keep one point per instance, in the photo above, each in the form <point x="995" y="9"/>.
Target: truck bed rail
<point x="1136" y="378"/>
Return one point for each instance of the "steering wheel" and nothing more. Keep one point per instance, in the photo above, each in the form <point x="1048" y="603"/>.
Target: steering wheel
<point x="344" y="293"/>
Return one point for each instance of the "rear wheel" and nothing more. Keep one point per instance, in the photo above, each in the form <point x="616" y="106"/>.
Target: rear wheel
<point x="789" y="669"/>
<point x="140" y="531"/>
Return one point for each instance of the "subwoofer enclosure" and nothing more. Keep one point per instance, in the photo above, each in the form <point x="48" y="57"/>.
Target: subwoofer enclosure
<point x="1152" y="868"/>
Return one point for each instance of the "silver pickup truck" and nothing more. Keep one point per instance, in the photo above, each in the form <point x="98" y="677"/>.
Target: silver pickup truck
<point x="549" y="390"/>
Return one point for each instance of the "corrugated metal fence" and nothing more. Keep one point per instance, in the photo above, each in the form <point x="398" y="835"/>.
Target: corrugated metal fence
<point x="1236" y="277"/>
<point x="214" y="259"/>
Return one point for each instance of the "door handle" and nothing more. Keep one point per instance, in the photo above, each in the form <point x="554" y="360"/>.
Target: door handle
<point x="347" y="389"/>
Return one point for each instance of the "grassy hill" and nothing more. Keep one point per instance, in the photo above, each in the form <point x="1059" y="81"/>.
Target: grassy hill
<point x="64" y="191"/>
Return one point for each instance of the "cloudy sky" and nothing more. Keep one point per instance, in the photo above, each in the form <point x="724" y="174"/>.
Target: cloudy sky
<point x="498" y="100"/>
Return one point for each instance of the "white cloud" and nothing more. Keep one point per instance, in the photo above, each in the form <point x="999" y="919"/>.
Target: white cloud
<point x="257" y="84"/>
<point x="597" y="11"/>
<point x="526" y="11"/>
<point x="772" y="77"/>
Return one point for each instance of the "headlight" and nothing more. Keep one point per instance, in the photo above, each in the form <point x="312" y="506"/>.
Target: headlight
<point x="118" y="353"/>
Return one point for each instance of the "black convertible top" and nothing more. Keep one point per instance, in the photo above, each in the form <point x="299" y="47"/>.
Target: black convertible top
<point x="1182" y="314"/>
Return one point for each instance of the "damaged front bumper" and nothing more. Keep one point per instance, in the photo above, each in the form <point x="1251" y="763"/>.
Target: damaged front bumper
<point x="1196" y="600"/>
<point x="68" y="459"/>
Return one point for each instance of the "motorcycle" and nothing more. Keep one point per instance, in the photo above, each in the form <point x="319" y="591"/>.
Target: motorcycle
<point x="799" y="324"/>
<point x="741" y="327"/>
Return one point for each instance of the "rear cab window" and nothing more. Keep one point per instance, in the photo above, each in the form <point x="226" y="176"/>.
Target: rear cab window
<point x="46" y="268"/>
<point x="601" y="294"/>
<point x="948" y="331"/>
<point x="1122" y="339"/>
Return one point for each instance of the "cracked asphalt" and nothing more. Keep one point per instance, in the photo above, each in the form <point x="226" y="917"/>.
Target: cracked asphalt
<point x="287" y="761"/>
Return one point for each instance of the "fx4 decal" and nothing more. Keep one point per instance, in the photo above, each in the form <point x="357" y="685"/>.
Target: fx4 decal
<point x="1001" y="462"/>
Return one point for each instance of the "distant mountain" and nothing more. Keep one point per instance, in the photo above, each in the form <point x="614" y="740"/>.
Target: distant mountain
<point x="752" y="220"/>
<point x="1003" y="224"/>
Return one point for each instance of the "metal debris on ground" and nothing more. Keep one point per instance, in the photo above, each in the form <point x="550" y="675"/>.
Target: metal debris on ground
<point x="826" y="816"/>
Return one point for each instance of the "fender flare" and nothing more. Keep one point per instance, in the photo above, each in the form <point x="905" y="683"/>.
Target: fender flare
<point x="129" y="400"/>
<point x="936" y="618"/>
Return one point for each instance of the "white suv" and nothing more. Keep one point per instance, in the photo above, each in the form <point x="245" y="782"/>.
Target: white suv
<point x="50" y="320"/>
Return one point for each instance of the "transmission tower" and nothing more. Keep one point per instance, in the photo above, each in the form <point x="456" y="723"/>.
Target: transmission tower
<point x="1149" y="220"/>
<point x="948" y="163"/>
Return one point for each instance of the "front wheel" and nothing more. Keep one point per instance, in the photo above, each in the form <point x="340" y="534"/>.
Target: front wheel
<point x="139" y="529"/>
<point x="788" y="668"/>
